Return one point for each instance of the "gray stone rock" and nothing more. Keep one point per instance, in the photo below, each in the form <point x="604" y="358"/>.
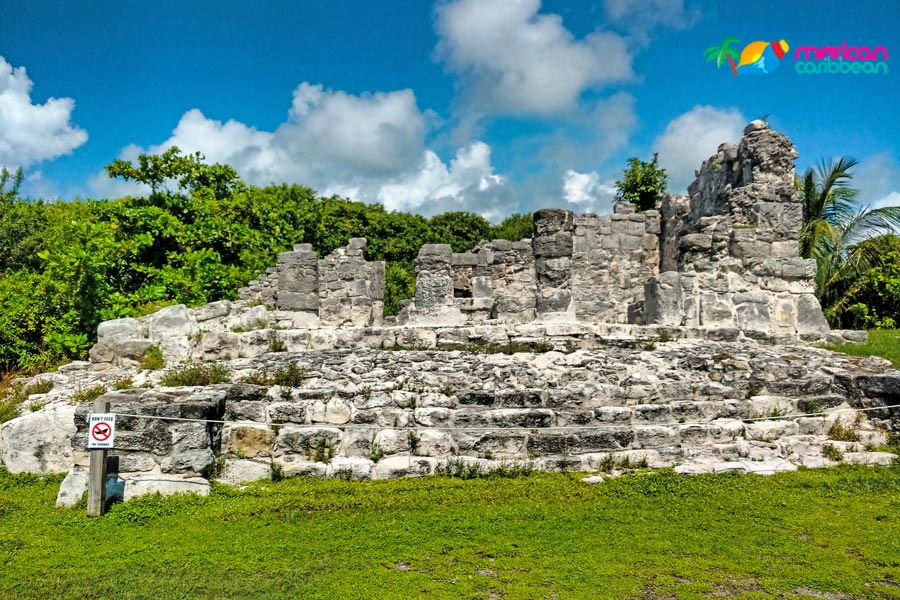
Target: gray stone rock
<point x="39" y="442"/>
<point x="139" y="485"/>
<point x="237" y="471"/>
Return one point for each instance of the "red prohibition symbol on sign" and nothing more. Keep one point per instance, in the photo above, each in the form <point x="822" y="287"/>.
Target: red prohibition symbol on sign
<point x="101" y="431"/>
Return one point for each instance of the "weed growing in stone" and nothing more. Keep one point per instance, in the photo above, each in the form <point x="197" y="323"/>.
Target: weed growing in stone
<point x="39" y="387"/>
<point x="123" y="383"/>
<point x="290" y="376"/>
<point x="276" y="344"/>
<point x="321" y="451"/>
<point x="88" y="394"/>
<point x="254" y="326"/>
<point x="840" y="432"/>
<point x="194" y="375"/>
<point x="831" y="452"/>
<point x="276" y="471"/>
<point x="152" y="360"/>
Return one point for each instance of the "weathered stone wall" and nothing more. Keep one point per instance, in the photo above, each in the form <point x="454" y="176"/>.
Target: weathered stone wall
<point x="734" y="256"/>
<point x="351" y="290"/>
<point x="612" y="257"/>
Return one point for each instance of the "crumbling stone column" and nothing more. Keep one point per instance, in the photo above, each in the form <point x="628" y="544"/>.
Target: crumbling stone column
<point x="351" y="290"/>
<point x="552" y="243"/>
<point x="433" y="303"/>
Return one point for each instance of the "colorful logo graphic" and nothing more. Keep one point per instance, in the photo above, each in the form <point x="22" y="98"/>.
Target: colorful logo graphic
<point x="757" y="58"/>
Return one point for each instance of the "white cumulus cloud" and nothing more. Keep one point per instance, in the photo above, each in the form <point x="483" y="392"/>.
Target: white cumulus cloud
<point x="31" y="132"/>
<point x="691" y="138"/>
<point x="369" y="147"/>
<point x="642" y="17"/>
<point x="512" y="60"/>
<point x="588" y="192"/>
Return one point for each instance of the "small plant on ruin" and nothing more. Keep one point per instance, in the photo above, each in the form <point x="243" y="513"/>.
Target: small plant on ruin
<point x="276" y="471"/>
<point x="123" y="383"/>
<point x="664" y="337"/>
<point x="290" y="376"/>
<point x="276" y="344"/>
<point x="152" y="360"/>
<point x="196" y="337"/>
<point x="721" y="356"/>
<point x="458" y="468"/>
<point x="376" y="455"/>
<point x="649" y="346"/>
<point x="254" y="326"/>
<point x="35" y="406"/>
<point x="321" y="451"/>
<point x="448" y="390"/>
<point x="831" y="452"/>
<point x="195" y="374"/>
<point x="365" y="392"/>
<point x="39" y="387"/>
<point x="258" y="377"/>
<point x="840" y="432"/>
<point x="88" y="394"/>
<point x="813" y="406"/>
<point x="776" y="413"/>
<point x="642" y="183"/>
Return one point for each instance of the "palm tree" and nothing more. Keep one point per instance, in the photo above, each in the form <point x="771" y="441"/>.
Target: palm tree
<point x="834" y="226"/>
<point x="723" y="51"/>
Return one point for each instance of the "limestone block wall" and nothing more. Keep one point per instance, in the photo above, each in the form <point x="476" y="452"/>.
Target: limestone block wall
<point x="351" y="290"/>
<point x="612" y="257"/>
<point x="734" y="256"/>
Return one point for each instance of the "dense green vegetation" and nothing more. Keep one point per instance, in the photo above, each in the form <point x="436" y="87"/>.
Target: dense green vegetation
<point x="66" y="266"/>
<point x="809" y="534"/>
<point x="856" y="249"/>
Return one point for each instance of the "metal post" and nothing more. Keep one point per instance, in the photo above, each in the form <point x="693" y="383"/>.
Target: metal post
<point x="97" y="473"/>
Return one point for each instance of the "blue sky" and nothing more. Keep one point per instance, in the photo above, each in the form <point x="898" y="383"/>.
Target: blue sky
<point x="491" y="106"/>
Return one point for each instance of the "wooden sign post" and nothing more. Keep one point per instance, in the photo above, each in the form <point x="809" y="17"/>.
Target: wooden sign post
<point x="101" y="436"/>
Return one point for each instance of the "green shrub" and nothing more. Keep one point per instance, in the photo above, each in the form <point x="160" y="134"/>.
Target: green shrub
<point x="194" y="374"/>
<point x="88" y="394"/>
<point x="290" y="376"/>
<point x="152" y="360"/>
<point x="831" y="452"/>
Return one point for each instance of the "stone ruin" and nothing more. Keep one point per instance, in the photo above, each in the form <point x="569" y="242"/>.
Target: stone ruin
<point x="724" y="259"/>
<point x="672" y="337"/>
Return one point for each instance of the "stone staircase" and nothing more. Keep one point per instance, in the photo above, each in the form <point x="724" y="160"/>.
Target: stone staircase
<point x="695" y="405"/>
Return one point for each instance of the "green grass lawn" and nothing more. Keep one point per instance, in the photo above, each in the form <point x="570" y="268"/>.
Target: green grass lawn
<point x="882" y="342"/>
<point x="656" y="535"/>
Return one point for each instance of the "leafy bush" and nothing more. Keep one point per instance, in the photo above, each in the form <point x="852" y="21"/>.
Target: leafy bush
<point x="642" y="183"/>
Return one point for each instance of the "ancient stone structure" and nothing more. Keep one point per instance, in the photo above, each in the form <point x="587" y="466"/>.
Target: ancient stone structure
<point x="730" y="253"/>
<point x="725" y="259"/>
<point x="673" y="337"/>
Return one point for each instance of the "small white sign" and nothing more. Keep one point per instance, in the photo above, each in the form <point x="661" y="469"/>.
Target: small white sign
<point x="101" y="431"/>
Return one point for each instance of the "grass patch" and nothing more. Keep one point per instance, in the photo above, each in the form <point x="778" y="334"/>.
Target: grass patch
<point x="194" y="374"/>
<point x="882" y="342"/>
<point x="657" y="535"/>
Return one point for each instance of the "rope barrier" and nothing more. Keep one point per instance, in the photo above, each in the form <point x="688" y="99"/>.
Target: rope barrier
<point x="822" y="415"/>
